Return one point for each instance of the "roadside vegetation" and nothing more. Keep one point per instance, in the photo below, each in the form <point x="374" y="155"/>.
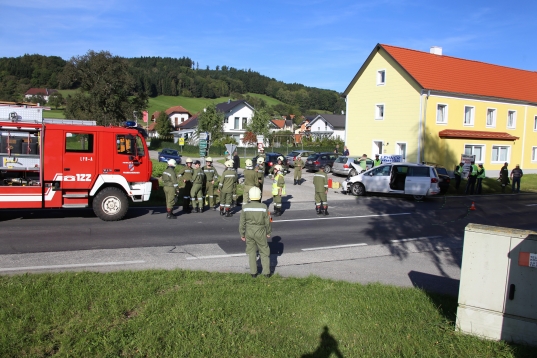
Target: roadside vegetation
<point x="199" y="314"/>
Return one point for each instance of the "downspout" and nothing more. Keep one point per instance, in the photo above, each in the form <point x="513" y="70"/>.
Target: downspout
<point x="524" y="136"/>
<point x="346" y="120"/>
<point x="419" y="127"/>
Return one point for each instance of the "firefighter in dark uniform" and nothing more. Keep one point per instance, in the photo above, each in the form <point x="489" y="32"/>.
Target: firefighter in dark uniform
<point x="250" y="180"/>
<point x="185" y="181"/>
<point x="255" y="228"/>
<point x="211" y="175"/>
<point x="299" y="164"/>
<point x="226" y="187"/>
<point x="196" y="193"/>
<point x="278" y="189"/>
<point x="169" y="182"/>
<point x="260" y="169"/>
<point x="320" y="182"/>
<point x="458" y="175"/>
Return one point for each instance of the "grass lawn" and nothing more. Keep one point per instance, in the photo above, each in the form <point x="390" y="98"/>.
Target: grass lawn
<point x="492" y="186"/>
<point x="198" y="314"/>
<point x="269" y="100"/>
<point x="193" y="105"/>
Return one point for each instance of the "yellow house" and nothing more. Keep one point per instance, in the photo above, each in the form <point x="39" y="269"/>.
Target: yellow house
<point x="429" y="107"/>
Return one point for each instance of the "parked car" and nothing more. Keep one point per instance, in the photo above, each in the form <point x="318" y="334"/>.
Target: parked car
<point x="418" y="180"/>
<point x="444" y="177"/>
<point x="166" y="154"/>
<point x="344" y="165"/>
<point x="291" y="157"/>
<point x="271" y="159"/>
<point x="323" y="159"/>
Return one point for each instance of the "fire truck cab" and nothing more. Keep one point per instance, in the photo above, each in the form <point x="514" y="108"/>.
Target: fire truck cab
<point x="72" y="164"/>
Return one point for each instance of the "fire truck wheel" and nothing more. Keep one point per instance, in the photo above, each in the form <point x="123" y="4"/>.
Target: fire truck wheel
<point x="110" y="204"/>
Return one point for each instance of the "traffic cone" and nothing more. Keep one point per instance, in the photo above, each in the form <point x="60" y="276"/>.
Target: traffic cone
<point x="472" y="207"/>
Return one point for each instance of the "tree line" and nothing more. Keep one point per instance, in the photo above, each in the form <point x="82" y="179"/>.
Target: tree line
<point x="154" y="76"/>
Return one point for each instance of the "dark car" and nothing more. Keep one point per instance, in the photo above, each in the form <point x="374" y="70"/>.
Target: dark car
<point x="166" y="154"/>
<point x="443" y="176"/>
<point x="271" y="159"/>
<point x="317" y="161"/>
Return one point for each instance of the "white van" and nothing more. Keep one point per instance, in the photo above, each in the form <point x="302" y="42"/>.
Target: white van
<point x="418" y="180"/>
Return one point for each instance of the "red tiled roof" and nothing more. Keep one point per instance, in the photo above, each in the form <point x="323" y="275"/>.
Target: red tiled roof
<point x="280" y="123"/>
<point x="178" y="109"/>
<point x="41" y="91"/>
<point x="461" y="134"/>
<point x="457" y="75"/>
<point x="151" y="127"/>
<point x="155" y="115"/>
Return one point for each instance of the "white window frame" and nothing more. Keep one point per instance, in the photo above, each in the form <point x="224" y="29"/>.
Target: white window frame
<point x="398" y="149"/>
<point x="378" y="117"/>
<point x="236" y="123"/>
<point x="380" y="80"/>
<point x="498" y="161"/>
<point x="534" y="154"/>
<point x="375" y="146"/>
<point x="472" y="117"/>
<point x="509" y="111"/>
<point x="494" y="116"/>
<point x="445" y="113"/>
<point x="483" y="151"/>
<point x="535" y="124"/>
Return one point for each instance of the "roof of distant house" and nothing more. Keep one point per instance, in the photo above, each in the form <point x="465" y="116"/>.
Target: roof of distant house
<point x="280" y="123"/>
<point x="336" y="120"/>
<point x="40" y="91"/>
<point x="190" y="123"/>
<point x="151" y="127"/>
<point x="461" y="76"/>
<point x="229" y="105"/>
<point x="177" y="109"/>
<point x="468" y="134"/>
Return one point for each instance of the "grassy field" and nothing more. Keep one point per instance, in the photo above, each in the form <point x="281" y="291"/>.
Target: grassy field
<point x="199" y="314"/>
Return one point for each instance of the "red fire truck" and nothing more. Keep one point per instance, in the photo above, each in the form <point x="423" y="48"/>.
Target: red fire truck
<point x="72" y="164"/>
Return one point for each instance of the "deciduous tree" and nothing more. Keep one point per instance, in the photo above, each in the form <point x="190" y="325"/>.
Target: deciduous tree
<point x="211" y="121"/>
<point x="163" y="126"/>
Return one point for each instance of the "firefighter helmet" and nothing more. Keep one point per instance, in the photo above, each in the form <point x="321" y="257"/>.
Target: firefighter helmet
<point x="254" y="193"/>
<point x="260" y="160"/>
<point x="189" y="160"/>
<point x="280" y="158"/>
<point x="278" y="167"/>
<point x="229" y="164"/>
<point x="172" y="162"/>
<point x="248" y="162"/>
<point x="209" y="159"/>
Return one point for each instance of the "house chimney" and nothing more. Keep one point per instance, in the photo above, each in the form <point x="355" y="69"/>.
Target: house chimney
<point x="436" y="50"/>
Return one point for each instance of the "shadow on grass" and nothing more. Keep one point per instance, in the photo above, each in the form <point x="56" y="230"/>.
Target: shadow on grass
<point x="327" y="345"/>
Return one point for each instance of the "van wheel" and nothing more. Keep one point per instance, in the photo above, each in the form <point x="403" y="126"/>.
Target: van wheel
<point x="110" y="204"/>
<point x="327" y="169"/>
<point x="358" y="189"/>
<point x="419" y="197"/>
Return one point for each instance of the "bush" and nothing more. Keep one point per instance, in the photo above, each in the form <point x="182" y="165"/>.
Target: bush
<point x="158" y="168"/>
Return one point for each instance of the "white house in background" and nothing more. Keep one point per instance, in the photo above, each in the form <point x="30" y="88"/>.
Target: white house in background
<point x="237" y="115"/>
<point x="45" y="92"/>
<point x="187" y="130"/>
<point x="176" y="115"/>
<point x="328" y="126"/>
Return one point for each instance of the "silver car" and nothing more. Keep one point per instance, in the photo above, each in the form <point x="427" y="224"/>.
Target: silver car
<point x="417" y="180"/>
<point x="344" y="165"/>
<point x="292" y="156"/>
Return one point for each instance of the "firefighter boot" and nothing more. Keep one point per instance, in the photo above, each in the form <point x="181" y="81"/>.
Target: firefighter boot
<point x="318" y="210"/>
<point x="170" y="215"/>
<point x="326" y="210"/>
<point x="221" y="210"/>
<point x="228" y="213"/>
<point x="295" y="182"/>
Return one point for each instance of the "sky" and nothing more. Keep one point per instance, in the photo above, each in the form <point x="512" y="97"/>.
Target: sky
<point x="317" y="43"/>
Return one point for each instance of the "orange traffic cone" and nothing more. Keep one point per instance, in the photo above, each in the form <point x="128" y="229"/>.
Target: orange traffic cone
<point x="472" y="207"/>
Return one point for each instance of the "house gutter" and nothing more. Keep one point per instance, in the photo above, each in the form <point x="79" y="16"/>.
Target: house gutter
<point x="420" y="125"/>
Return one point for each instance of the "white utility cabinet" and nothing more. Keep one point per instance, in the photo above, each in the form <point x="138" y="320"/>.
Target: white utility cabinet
<point x="498" y="287"/>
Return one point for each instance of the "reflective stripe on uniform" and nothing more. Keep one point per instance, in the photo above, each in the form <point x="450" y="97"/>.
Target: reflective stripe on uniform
<point x="230" y="176"/>
<point x="254" y="209"/>
<point x="168" y="174"/>
<point x="318" y="175"/>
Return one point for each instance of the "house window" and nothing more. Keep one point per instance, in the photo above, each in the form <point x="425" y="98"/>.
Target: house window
<point x="226" y="120"/>
<point x="381" y="77"/>
<point x="401" y="150"/>
<point x="244" y="122"/>
<point x="535" y="124"/>
<point x="500" y="154"/>
<point x="377" y="147"/>
<point x="511" y="119"/>
<point x="491" y="117"/>
<point x="236" y="124"/>
<point x="534" y="154"/>
<point x="469" y="113"/>
<point x="379" y="111"/>
<point x="441" y="114"/>
<point x="476" y="150"/>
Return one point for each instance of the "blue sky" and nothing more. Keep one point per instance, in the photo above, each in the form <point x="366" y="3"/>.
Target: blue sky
<point x="317" y="43"/>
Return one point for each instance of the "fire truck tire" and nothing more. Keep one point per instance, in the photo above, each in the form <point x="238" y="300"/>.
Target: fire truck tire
<point x="110" y="204"/>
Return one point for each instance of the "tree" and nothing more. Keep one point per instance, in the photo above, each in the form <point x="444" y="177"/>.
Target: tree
<point x="38" y="98"/>
<point x="163" y="126"/>
<point x="55" y="99"/>
<point x="249" y="138"/>
<point x="211" y="121"/>
<point x="107" y="86"/>
<point x="260" y="123"/>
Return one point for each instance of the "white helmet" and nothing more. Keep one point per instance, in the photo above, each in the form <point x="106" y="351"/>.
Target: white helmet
<point x="278" y="167"/>
<point x="260" y="160"/>
<point x="229" y="164"/>
<point x="208" y="159"/>
<point x="189" y="160"/>
<point x="248" y="162"/>
<point x="254" y="193"/>
<point x="280" y="158"/>
<point x="172" y="162"/>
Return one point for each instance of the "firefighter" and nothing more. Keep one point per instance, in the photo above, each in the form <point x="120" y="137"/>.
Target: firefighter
<point x="169" y="182"/>
<point x="196" y="193"/>
<point x="250" y="180"/>
<point x="211" y="175"/>
<point x="255" y="228"/>
<point x="472" y="178"/>
<point x="226" y="188"/>
<point x="278" y="189"/>
<point x="299" y="164"/>
<point x="377" y="161"/>
<point x="280" y="163"/>
<point x="320" y="182"/>
<point x="185" y="180"/>
<point x="260" y="169"/>
<point x="458" y="175"/>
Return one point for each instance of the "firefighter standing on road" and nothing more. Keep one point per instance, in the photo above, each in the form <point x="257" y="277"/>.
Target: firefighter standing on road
<point x="211" y="175"/>
<point x="169" y="182"/>
<point x="320" y="182"/>
<point x="185" y="180"/>
<point x="299" y="164"/>
<point x="278" y="189"/>
<point x="280" y="163"/>
<point x="227" y="185"/>
<point x="250" y="180"/>
<point x="260" y="169"/>
<point x="196" y="193"/>
<point x="458" y="175"/>
<point x="255" y="228"/>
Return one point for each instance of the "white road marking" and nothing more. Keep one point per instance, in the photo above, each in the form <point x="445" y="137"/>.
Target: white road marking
<point x="415" y="239"/>
<point x="341" y="217"/>
<point x="333" y="247"/>
<point x="531" y="205"/>
<point x="214" y="256"/>
<point x="70" y="266"/>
